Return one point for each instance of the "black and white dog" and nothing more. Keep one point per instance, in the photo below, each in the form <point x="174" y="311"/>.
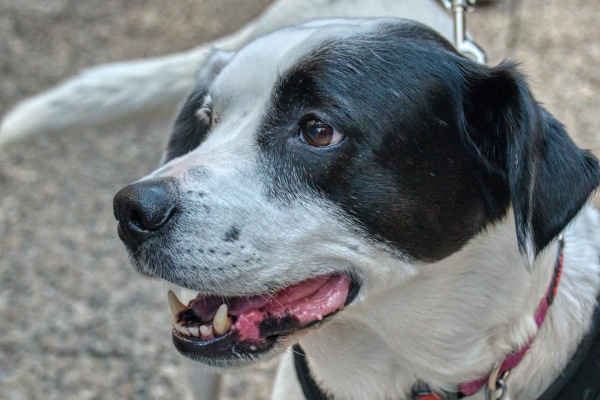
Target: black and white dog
<point x="358" y="187"/>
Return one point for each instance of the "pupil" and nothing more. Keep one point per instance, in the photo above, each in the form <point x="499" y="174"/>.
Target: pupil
<point x="320" y="133"/>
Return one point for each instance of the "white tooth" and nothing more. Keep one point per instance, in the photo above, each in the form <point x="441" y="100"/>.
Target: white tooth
<point x="221" y="322"/>
<point x="205" y="331"/>
<point x="194" y="331"/>
<point x="175" y="305"/>
<point x="185" y="296"/>
<point x="182" y="329"/>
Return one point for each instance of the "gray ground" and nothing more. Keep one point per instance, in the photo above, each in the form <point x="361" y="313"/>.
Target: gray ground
<point x="75" y="321"/>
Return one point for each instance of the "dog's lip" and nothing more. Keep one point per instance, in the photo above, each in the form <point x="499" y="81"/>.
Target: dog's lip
<point x="233" y="348"/>
<point x="219" y="347"/>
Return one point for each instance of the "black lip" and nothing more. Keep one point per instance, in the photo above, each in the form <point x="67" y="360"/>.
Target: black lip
<point x="353" y="292"/>
<point x="229" y="349"/>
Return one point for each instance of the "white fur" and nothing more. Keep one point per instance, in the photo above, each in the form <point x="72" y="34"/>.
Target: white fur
<point x="451" y="321"/>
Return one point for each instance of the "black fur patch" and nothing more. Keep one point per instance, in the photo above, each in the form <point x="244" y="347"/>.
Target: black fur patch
<point x="189" y="130"/>
<point x="431" y="140"/>
<point x="436" y="146"/>
<point x="403" y="172"/>
<point x="549" y="178"/>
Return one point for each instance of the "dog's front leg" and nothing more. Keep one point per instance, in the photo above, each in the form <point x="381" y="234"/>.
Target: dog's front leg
<point x="204" y="382"/>
<point x="286" y="384"/>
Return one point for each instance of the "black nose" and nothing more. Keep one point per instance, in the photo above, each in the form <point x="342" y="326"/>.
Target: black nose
<point x="143" y="208"/>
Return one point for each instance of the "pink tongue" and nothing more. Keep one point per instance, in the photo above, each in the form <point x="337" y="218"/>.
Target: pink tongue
<point x="299" y="291"/>
<point x="326" y="295"/>
<point x="305" y="302"/>
<point x="239" y="305"/>
<point x="206" y="307"/>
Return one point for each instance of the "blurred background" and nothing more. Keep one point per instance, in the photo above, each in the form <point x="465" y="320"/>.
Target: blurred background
<point x="76" y="322"/>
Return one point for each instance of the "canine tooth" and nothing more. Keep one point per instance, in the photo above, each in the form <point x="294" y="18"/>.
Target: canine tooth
<point x="175" y="305"/>
<point x="194" y="331"/>
<point x="221" y="321"/>
<point x="205" y="331"/>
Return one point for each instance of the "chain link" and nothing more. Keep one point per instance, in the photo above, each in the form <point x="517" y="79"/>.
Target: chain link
<point x="467" y="4"/>
<point x="459" y="9"/>
<point x="500" y="385"/>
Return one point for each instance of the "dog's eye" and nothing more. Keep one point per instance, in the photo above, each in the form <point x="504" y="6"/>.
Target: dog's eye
<point x="319" y="134"/>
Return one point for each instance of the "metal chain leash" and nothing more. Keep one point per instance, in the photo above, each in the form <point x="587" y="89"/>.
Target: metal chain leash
<point x="462" y="42"/>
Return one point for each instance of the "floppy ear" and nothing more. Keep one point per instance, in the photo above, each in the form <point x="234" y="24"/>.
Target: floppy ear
<point x="190" y="129"/>
<point x="213" y="65"/>
<point x="548" y="177"/>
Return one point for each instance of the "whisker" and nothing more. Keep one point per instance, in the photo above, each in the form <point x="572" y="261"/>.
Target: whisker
<point x="263" y="294"/>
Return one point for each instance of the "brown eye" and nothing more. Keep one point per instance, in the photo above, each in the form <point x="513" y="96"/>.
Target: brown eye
<point x="319" y="134"/>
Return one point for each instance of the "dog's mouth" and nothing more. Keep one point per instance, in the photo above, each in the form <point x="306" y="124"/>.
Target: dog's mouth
<point x="228" y="330"/>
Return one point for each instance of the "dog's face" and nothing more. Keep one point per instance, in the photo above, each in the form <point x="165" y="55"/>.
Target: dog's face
<point x="332" y="160"/>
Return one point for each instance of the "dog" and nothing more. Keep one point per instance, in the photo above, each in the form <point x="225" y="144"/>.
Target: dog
<point x="357" y="187"/>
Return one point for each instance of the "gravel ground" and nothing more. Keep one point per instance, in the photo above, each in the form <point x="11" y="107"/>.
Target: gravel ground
<point x="76" y="322"/>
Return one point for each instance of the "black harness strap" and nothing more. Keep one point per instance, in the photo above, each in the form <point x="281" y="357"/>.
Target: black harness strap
<point x="580" y="379"/>
<point x="309" y="387"/>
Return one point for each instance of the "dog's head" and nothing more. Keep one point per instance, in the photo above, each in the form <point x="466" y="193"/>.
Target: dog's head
<point x="322" y="155"/>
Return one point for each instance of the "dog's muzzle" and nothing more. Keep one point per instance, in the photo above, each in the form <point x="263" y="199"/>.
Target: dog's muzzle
<point x="143" y="208"/>
<point x="217" y="328"/>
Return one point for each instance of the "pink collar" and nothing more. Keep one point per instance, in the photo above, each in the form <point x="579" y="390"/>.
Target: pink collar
<point x="512" y="360"/>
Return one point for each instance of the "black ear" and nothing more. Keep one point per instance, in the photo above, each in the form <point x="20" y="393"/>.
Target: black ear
<point x="548" y="177"/>
<point x="190" y="129"/>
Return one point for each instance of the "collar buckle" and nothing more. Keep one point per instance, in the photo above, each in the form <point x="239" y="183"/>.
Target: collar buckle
<point x="496" y="386"/>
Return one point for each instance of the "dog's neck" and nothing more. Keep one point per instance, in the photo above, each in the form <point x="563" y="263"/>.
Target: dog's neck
<point x="451" y="321"/>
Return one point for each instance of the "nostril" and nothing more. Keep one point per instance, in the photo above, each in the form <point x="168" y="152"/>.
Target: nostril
<point x="144" y="207"/>
<point x="153" y="219"/>
<point x="137" y="220"/>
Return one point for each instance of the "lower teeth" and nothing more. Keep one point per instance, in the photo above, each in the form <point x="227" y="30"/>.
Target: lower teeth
<point x="206" y="331"/>
<point x="202" y="331"/>
<point x="194" y="331"/>
<point x="185" y="320"/>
